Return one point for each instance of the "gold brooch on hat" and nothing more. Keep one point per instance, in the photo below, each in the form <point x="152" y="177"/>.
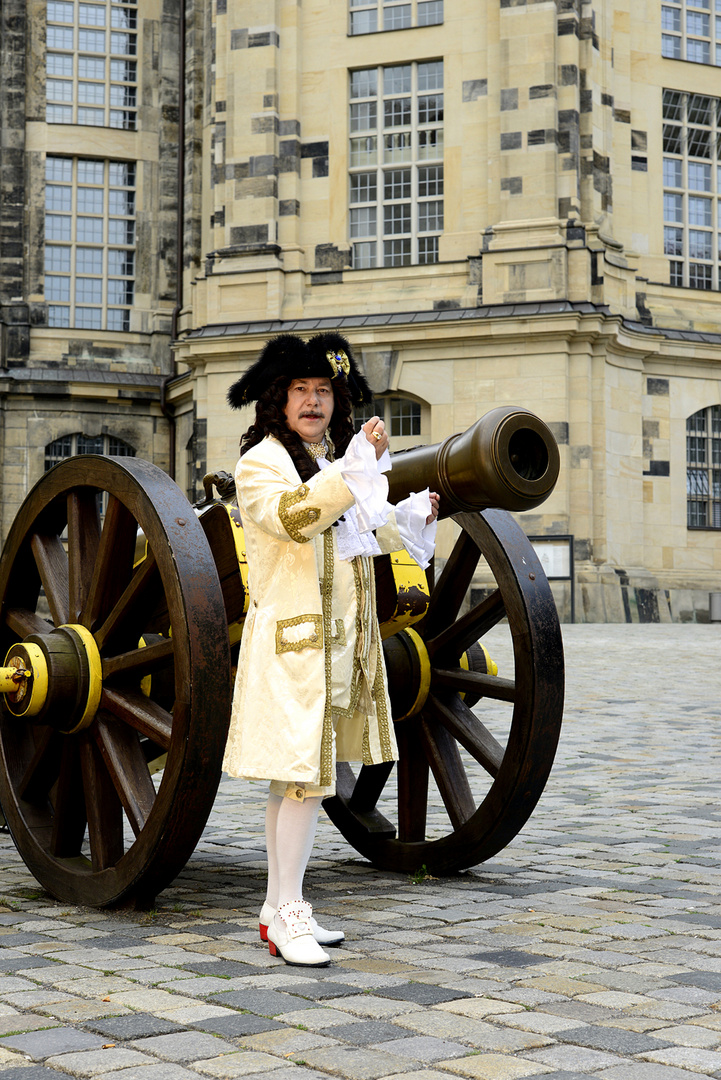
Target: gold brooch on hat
<point x="338" y="362"/>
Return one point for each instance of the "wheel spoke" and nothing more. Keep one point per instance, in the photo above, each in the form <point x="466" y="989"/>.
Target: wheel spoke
<point x="52" y="563"/>
<point x="449" y="773"/>
<point x="464" y="725"/>
<point x="113" y="565"/>
<point x="139" y="662"/>
<point x="451" y="587"/>
<point x="123" y="626"/>
<point x="369" y="786"/>
<point x="83" y="541"/>
<point x="140" y="713"/>
<point x="478" y="621"/>
<point x="42" y="772"/>
<point x="371" y="821"/>
<point x="23" y="622"/>
<point x="82" y="806"/>
<point x="104" y="809"/>
<point x="460" y="680"/>
<point x="412" y="783"/>
<point x="69" y="819"/>
<point x="125" y="762"/>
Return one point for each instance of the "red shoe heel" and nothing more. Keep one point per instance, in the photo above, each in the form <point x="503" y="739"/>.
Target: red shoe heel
<point x="263" y="931"/>
<point x="273" y="949"/>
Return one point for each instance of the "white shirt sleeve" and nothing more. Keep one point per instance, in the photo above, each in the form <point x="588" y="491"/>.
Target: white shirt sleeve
<point x="419" y="539"/>
<point x="364" y="475"/>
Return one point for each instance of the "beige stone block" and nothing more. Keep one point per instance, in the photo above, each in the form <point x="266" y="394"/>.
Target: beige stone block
<point x="433" y="382"/>
<point x="698" y="558"/>
<point x="493" y="1067"/>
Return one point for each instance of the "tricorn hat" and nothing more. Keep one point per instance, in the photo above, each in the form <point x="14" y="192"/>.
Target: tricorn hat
<point x="325" y="356"/>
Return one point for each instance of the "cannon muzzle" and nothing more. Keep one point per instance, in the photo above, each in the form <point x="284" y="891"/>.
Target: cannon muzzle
<point x="507" y="459"/>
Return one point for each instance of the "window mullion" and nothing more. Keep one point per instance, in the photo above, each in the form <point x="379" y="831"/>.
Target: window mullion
<point x="710" y="463"/>
<point x="104" y="256"/>
<point x="73" y="236"/>
<point x="414" y="165"/>
<point x="380" y="172"/>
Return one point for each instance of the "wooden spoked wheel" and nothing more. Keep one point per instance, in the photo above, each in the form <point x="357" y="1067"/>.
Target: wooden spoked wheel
<point x="489" y="772"/>
<point x="126" y="637"/>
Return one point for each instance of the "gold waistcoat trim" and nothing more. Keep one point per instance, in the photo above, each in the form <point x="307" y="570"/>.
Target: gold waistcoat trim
<point x="379" y="695"/>
<point x="357" y="673"/>
<point x="313" y="641"/>
<point x="326" y="742"/>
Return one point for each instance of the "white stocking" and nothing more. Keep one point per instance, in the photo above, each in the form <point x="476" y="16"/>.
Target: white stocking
<point x="271" y="823"/>
<point x="295" y="825"/>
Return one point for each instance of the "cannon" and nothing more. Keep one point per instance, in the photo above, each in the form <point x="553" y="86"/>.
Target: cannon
<point x="121" y="610"/>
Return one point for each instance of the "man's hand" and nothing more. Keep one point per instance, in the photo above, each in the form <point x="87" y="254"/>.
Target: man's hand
<point x="435" y="502"/>
<point x="375" y="433"/>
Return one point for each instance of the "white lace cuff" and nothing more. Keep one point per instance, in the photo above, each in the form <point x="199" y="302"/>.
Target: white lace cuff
<point x="350" y="542"/>
<point x="369" y="487"/>
<point x="419" y="539"/>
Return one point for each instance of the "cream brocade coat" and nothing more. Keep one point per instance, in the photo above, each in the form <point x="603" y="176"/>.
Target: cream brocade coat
<point x="311" y="685"/>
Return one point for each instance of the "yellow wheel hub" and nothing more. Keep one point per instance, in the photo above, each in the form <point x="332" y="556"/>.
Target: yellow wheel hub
<point x="26" y="671"/>
<point x="56" y="676"/>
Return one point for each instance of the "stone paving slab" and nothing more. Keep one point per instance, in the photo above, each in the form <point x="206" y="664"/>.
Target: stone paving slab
<point x="589" y="947"/>
<point x="57" y="1040"/>
<point x="31" y="1072"/>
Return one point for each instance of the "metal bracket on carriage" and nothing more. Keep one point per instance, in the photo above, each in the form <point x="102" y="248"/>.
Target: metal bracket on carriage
<point x="225" y="484"/>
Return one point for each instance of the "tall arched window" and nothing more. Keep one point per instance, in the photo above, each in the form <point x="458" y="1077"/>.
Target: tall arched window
<point x="703" y="468"/>
<point x="69" y="445"/>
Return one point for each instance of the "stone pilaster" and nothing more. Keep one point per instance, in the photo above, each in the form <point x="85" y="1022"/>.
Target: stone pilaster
<point x="14" y="311"/>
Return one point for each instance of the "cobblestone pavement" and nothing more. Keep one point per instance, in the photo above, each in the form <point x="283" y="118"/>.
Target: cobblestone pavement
<point x="591" y="946"/>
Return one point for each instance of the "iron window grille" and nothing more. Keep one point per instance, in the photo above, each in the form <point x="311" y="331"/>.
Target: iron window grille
<point x="703" y="468"/>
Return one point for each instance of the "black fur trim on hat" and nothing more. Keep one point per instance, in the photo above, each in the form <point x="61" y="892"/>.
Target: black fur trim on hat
<point x="321" y="344"/>
<point x="286" y="355"/>
<point x="289" y="356"/>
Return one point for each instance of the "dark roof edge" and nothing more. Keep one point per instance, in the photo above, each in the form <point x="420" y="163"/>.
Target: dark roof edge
<point x="81" y="375"/>
<point x="490" y="311"/>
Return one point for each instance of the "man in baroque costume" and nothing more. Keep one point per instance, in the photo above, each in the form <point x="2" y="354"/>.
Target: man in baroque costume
<point x="311" y="685"/>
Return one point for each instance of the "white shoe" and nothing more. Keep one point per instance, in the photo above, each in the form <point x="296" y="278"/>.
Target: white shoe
<point x="322" y="936"/>
<point x="290" y="935"/>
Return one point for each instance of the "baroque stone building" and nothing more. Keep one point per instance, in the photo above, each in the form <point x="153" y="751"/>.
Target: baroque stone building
<point x="551" y="239"/>
<point x="505" y="202"/>
<point x="88" y="175"/>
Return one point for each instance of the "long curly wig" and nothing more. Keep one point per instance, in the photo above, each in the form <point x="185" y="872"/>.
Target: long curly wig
<point x="270" y="420"/>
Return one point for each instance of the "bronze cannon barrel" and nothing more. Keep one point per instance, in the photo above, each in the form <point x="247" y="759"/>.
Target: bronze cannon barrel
<point x="507" y="459"/>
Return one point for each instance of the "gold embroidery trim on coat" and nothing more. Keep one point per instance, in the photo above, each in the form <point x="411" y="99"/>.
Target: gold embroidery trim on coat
<point x="366" y="754"/>
<point x="338" y="638"/>
<point x="314" y="640"/>
<point x="379" y="692"/>
<point x="326" y="742"/>
<point x="293" y="523"/>
<point x="357" y="675"/>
